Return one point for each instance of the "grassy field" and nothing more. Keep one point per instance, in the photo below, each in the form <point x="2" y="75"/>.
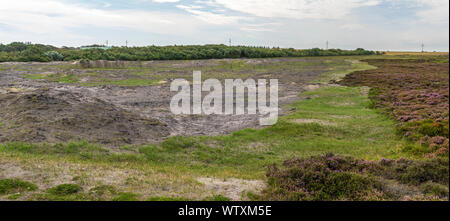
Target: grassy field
<point x="390" y="53"/>
<point x="331" y="118"/>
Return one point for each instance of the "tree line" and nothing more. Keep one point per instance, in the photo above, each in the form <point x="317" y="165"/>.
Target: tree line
<point x="18" y="51"/>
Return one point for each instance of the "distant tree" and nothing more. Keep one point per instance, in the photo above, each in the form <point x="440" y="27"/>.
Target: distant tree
<point x="54" y="55"/>
<point x="18" y="51"/>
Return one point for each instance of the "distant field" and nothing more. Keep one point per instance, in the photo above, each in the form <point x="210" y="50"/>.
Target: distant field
<point x="415" y="53"/>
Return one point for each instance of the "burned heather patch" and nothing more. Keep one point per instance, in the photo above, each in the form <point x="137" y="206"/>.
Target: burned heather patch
<point x="415" y="93"/>
<point x="118" y="102"/>
<point x="59" y="116"/>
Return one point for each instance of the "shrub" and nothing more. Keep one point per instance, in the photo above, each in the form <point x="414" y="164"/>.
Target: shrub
<point x="331" y="177"/>
<point x="54" y="55"/>
<point x="326" y="177"/>
<point x="102" y="191"/>
<point x="431" y="128"/>
<point x="176" y="143"/>
<point x="435" y="189"/>
<point x="166" y="199"/>
<point x="217" y="198"/>
<point x="126" y="197"/>
<point x="65" y="189"/>
<point x="15" y="185"/>
<point x="418" y="172"/>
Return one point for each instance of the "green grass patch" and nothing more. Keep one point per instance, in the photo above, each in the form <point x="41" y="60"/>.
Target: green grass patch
<point x="8" y="186"/>
<point x="62" y="192"/>
<point x="125" y="82"/>
<point x="217" y="198"/>
<point x="166" y="199"/>
<point x="65" y="189"/>
<point x="338" y="121"/>
<point x="60" y="78"/>
<point x="340" y="70"/>
<point x="80" y="148"/>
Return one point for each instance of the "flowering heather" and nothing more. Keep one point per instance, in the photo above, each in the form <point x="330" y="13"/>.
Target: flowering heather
<point x="415" y="93"/>
<point x="333" y="177"/>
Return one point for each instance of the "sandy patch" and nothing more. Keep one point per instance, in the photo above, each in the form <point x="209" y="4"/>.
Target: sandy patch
<point x="340" y="116"/>
<point x="232" y="188"/>
<point x="13" y="90"/>
<point x="365" y="90"/>
<point x="312" y="87"/>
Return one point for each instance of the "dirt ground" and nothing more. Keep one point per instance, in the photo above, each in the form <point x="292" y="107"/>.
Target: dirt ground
<point x="92" y="103"/>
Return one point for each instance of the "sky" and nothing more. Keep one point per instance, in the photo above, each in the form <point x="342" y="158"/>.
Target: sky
<point x="395" y="25"/>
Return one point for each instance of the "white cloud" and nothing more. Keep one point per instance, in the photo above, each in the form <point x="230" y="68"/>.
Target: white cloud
<point x="50" y="16"/>
<point x="285" y="23"/>
<point x="212" y="18"/>
<point x="264" y="27"/>
<point x="297" y="9"/>
<point x="165" y="1"/>
<point x="437" y="11"/>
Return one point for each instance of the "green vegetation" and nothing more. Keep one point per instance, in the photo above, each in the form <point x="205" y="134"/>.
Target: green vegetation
<point x="65" y="189"/>
<point x="99" y="73"/>
<point x="83" y="149"/>
<point x="125" y="82"/>
<point x="60" y="78"/>
<point x="103" y="191"/>
<point x="330" y="177"/>
<point x="15" y="185"/>
<point x="369" y="161"/>
<point x="338" y="71"/>
<point x="159" y="198"/>
<point x="217" y="198"/>
<point x="333" y="119"/>
<point x="435" y="189"/>
<point x="34" y="52"/>
<point x="67" y="192"/>
<point x="416" y="96"/>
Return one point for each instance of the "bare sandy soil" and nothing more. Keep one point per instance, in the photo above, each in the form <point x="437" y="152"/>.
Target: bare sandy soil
<point x="45" y="110"/>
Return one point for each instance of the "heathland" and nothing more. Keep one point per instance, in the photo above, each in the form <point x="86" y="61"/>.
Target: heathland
<point x="366" y="127"/>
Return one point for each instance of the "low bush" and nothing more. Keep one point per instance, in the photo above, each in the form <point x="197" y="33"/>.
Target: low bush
<point x="8" y="186"/>
<point x="435" y="189"/>
<point x="217" y="198"/>
<point x="102" y="192"/>
<point x="65" y="189"/>
<point x="331" y="177"/>
<point x="418" y="172"/>
<point x="326" y="177"/>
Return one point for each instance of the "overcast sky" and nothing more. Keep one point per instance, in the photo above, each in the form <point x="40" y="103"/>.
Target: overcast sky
<point x="346" y="24"/>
